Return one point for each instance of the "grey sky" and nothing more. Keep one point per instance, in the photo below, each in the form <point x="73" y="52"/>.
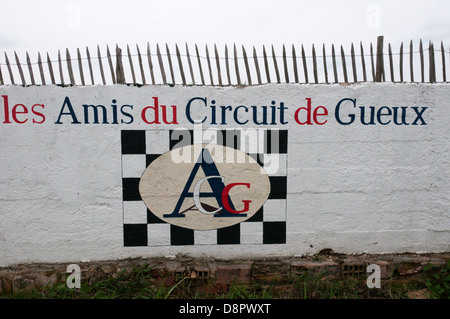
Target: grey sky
<point x="47" y="26"/>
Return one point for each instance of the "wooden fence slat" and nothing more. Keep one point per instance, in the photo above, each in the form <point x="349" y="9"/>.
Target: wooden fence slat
<point x="401" y="62"/>
<point x="141" y="65"/>
<point x="91" y="72"/>
<point x="180" y="65"/>
<point x="69" y="67"/>
<point x="150" y="64"/>
<point x="352" y="53"/>
<point x="422" y="67"/>
<point x="391" y="62"/>
<point x="333" y="59"/>
<point x="30" y="70"/>
<point x="236" y="66"/>
<point x="344" y="65"/>
<point x="363" y="62"/>
<point x="111" y="67"/>
<point x="130" y="61"/>
<point x="227" y="65"/>
<point x="199" y="65"/>
<point x="411" y="69"/>
<point x="294" y="64"/>
<point x="208" y="61"/>
<point x="305" y="68"/>
<point x="41" y="69"/>
<point x="325" y="69"/>
<point x="316" y="80"/>
<point x="161" y="65"/>
<point x="266" y="64"/>
<point x="19" y="66"/>
<point x="444" y="76"/>
<point x="100" y="63"/>
<point x="218" y="65"/>
<point x="120" y="76"/>
<point x="191" y="70"/>
<point x="372" y="63"/>
<point x="380" y="63"/>
<point x="286" y="72"/>
<point x="247" y="69"/>
<point x="80" y="66"/>
<point x="61" y="75"/>
<point x="432" y="63"/>
<point x="50" y="69"/>
<point x="291" y="72"/>
<point x="255" y="59"/>
<point x="8" y="66"/>
<point x="275" y="65"/>
<point x="169" y="58"/>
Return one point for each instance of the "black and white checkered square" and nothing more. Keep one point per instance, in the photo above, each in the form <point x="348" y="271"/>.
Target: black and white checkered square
<point x="142" y="228"/>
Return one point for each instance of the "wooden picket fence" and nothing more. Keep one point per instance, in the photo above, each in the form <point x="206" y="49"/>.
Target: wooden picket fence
<point x="234" y="67"/>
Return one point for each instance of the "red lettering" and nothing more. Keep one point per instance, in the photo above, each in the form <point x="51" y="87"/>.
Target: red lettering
<point x="38" y="113"/>
<point x="315" y="114"/>
<point x="308" y="113"/>
<point x="6" y="108"/>
<point x="155" y="112"/>
<point x="174" y="112"/>
<point x="311" y="115"/>
<point x="225" y="202"/>
<point x="15" y="112"/>
<point x="19" y="109"/>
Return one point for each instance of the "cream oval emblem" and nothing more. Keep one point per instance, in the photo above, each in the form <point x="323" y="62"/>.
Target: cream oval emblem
<point x="204" y="186"/>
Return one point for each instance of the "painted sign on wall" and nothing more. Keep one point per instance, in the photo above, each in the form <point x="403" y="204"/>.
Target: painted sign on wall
<point x="233" y="194"/>
<point x="120" y="171"/>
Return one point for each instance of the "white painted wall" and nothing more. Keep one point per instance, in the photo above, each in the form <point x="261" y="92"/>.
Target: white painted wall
<point x="354" y="189"/>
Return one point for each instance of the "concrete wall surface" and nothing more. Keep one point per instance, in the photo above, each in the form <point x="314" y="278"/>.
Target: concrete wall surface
<point x="360" y="168"/>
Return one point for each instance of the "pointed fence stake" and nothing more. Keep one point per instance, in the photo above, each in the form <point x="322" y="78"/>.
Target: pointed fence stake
<point x="180" y="65"/>
<point x="247" y="68"/>
<point x="8" y="65"/>
<point x="91" y="72"/>
<point x="266" y="65"/>
<point x="19" y="66"/>
<point x="202" y="78"/>
<point x="236" y="66"/>
<point x="150" y="63"/>
<point x="219" y="76"/>
<point x="99" y="57"/>
<point x="30" y="70"/>
<point x="161" y="65"/>
<point x="191" y="70"/>
<point x="255" y="59"/>
<point x="294" y="64"/>
<point x="80" y="66"/>
<point x="111" y="67"/>
<point x="50" y="69"/>
<point x="41" y="69"/>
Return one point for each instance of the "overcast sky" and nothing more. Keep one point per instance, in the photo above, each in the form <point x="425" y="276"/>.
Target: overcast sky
<point x="47" y="26"/>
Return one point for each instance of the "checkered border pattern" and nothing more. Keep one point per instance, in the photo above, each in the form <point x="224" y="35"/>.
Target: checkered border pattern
<point x="142" y="228"/>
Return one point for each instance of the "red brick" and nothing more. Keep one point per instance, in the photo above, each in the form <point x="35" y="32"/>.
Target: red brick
<point x="386" y="268"/>
<point x="232" y="274"/>
<point x="325" y="268"/>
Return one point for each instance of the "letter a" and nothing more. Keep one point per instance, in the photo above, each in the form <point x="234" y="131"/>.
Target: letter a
<point x="373" y="281"/>
<point x="73" y="280"/>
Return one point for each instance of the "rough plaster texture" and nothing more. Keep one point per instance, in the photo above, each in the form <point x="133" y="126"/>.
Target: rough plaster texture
<point x="353" y="188"/>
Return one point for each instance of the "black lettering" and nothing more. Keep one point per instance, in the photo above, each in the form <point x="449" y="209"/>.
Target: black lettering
<point x="71" y="112"/>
